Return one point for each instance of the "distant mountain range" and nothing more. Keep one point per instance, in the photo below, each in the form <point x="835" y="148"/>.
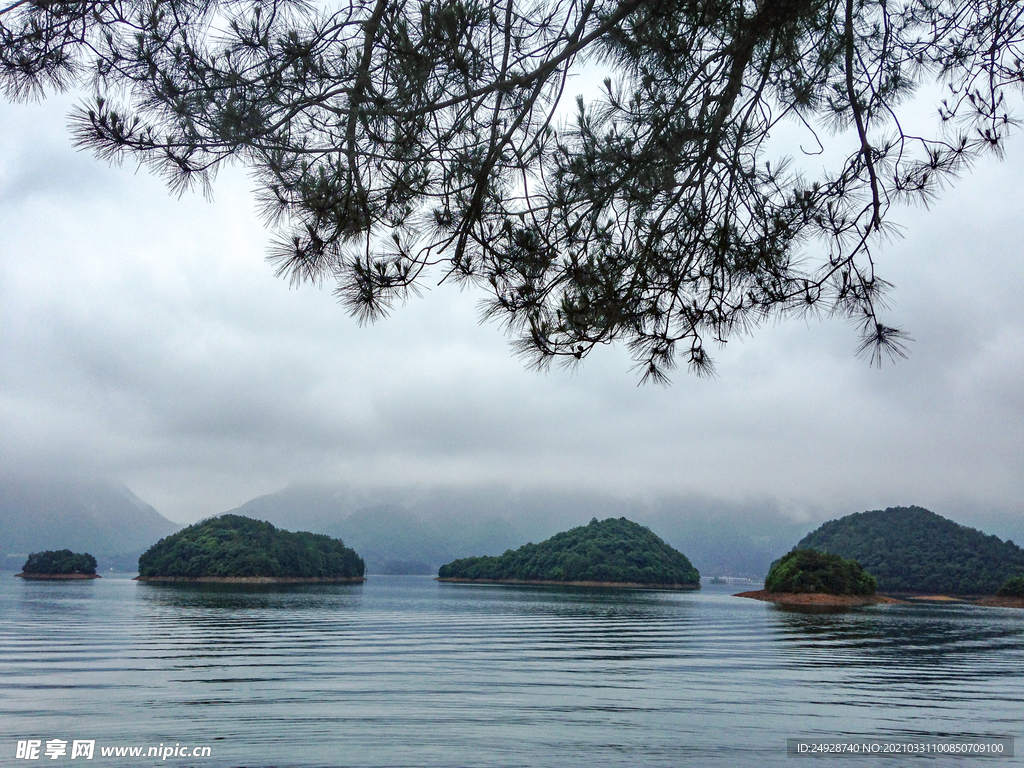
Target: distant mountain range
<point x="418" y="530"/>
<point x="388" y="536"/>
<point x="411" y="530"/>
<point x="84" y="515"/>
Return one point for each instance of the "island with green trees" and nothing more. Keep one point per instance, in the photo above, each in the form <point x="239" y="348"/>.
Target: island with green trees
<point x="912" y="551"/>
<point x="59" y="565"/>
<point x="807" y="570"/>
<point x="232" y="548"/>
<point x="612" y="552"/>
<point x="806" y="576"/>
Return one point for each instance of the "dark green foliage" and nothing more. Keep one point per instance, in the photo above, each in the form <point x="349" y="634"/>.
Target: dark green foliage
<point x="609" y="551"/>
<point x="388" y="138"/>
<point x="232" y="545"/>
<point x="61" y="561"/>
<point x="807" y="570"/>
<point x="909" y="549"/>
<point x="1012" y="587"/>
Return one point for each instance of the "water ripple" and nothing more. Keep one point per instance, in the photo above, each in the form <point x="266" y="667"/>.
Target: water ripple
<point x="407" y="671"/>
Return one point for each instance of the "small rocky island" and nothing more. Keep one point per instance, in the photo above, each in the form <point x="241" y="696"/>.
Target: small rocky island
<point x="809" y="577"/>
<point x="609" y="553"/>
<point x="59" y="565"/>
<point x="237" y="549"/>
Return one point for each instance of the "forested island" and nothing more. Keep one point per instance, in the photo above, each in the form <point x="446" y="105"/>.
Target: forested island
<point x="59" y="565"/>
<point x="807" y="570"/>
<point x="612" y="552"/>
<point x="232" y="548"/>
<point x="809" y="577"/>
<point x="912" y="551"/>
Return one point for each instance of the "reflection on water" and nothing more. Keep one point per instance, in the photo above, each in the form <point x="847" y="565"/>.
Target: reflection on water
<point x="921" y="635"/>
<point x="407" y="671"/>
<point x="221" y="597"/>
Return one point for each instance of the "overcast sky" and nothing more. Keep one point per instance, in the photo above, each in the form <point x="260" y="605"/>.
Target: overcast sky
<point x="143" y="337"/>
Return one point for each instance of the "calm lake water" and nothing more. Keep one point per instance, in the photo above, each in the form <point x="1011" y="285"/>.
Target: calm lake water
<point x="405" y="671"/>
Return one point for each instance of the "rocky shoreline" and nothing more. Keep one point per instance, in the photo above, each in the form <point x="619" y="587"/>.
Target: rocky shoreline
<point x="57" y="576"/>
<point x="817" y="598"/>
<point x="252" y="579"/>
<point x="551" y="582"/>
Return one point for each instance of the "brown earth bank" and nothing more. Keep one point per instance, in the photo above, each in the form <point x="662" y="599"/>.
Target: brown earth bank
<point x="252" y="579"/>
<point x="989" y="600"/>
<point x="620" y="584"/>
<point x="934" y="598"/>
<point x="1001" y="602"/>
<point x="817" y="598"/>
<point x="57" y="576"/>
<point x="931" y="597"/>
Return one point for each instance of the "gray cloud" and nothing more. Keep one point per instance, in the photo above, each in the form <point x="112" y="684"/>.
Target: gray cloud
<point x="143" y="337"/>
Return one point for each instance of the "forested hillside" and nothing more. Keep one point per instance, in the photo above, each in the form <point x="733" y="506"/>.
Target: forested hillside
<point x="910" y="549"/>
